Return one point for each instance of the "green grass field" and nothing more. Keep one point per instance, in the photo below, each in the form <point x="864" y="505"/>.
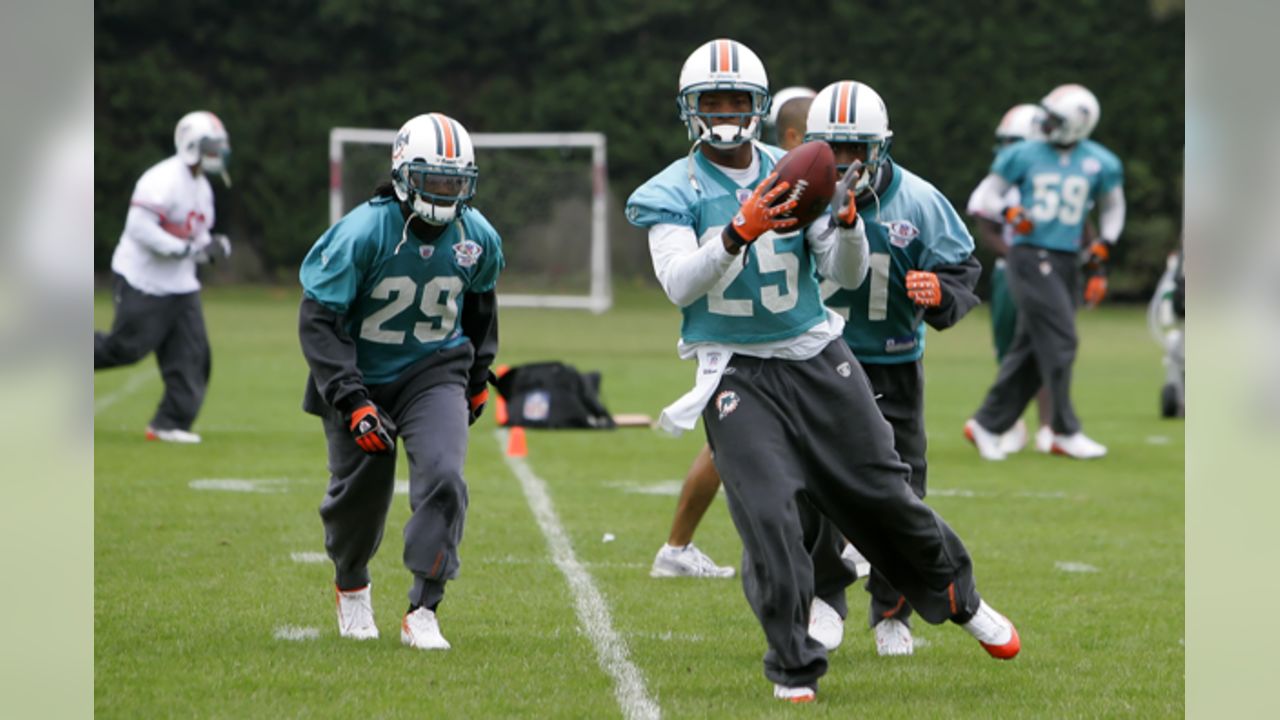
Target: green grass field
<point x="197" y="591"/>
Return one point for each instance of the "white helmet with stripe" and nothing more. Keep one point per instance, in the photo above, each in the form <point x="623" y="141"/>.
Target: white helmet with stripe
<point x="852" y="112"/>
<point x="722" y="65"/>
<point x="1021" y="122"/>
<point x="201" y="138"/>
<point x="1071" y="113"/>
<point x="433" y="167"/>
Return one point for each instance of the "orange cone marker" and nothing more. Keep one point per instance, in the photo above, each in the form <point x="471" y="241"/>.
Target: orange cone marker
<point x="516" y="446"/>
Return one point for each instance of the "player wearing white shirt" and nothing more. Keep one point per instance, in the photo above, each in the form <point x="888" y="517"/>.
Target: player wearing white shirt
<point x="156" y="293"/>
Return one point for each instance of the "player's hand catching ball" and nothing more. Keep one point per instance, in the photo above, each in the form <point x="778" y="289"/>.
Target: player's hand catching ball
<point x="758" y="215"/>
<point x="923" y="288"/>
<point x="843" y="205"/>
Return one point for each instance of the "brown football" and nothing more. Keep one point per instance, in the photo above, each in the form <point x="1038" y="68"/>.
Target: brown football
<point x="811" y="170"/>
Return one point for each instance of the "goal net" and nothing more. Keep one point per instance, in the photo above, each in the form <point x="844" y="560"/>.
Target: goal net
<point x="544" y="192"/>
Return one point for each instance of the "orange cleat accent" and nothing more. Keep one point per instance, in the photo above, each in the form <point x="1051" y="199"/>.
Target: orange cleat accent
<point x="1006" y="651"/>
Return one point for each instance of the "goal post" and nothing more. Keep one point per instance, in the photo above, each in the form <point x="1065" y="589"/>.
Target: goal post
<point x="546" y="193"/>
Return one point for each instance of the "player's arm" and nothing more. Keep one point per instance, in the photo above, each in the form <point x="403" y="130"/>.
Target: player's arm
<point x="331" y="354"/>
<point x="841" y="256"/>
<point x="686" y="271"/>
<point x="480" y="324"/>
<point x="956" y="283"/>
<point x="145" y="225"/>
<point x="1111" y="211"/>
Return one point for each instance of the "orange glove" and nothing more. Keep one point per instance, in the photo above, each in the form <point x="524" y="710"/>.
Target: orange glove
<point x="1099" y="254"/>
<point x="373" y="431"/>
<point x="1095" y="290"/>
<point x="923" y="288"/>
<point x="1017" y="217"/>
<point x="756" y="215"/>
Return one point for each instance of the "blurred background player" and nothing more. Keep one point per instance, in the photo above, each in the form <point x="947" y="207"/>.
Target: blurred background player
<point x="1021" y="122"/>
<point x="399" y="326"/>
<point x="921" y="268"/>
<point x="762" y="348"/>
<point x="679" y="557"/>
<point x="157" y="294"/>
<point x="1061" y="176"/>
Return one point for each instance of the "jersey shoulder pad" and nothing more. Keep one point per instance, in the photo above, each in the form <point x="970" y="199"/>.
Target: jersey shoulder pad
<point x="664" y="198"/>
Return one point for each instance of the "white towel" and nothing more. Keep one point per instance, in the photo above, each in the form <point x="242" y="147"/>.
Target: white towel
<point x="682" y="415"/>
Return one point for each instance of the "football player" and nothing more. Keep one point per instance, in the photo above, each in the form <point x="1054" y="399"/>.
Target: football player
<point x="399" y="326"/>
<point x="788" y="412"/>
<point x="157" y="293"/>
<point x="922" y="270"/>
<point x="1059" y="179"/>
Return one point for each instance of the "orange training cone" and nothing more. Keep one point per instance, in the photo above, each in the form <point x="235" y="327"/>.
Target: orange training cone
<point x="500" y="411"/>
<point x="516" y="446"/>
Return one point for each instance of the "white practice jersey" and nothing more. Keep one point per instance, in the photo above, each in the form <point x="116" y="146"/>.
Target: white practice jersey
<point x="169" y="212"/>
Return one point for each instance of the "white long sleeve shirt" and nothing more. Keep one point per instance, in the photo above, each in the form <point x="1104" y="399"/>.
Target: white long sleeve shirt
<point x="169" y="218"/>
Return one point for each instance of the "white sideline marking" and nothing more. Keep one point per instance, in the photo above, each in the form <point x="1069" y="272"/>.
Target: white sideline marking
<point x="135" y="381"/>
<point x="1075" y="567"/>
<point x="308" y="557"/>
<point x="237" y="485"/>
<point x="953" y="492"/>
<point x="1157" y="440"/>
<point x="593" y="612"/>
<point x="665" y="487"/>
<point x="295" y="633"/>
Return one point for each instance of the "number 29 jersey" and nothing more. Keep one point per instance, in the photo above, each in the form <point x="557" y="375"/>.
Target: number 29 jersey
<point x="401" y="297"/>
<point x="1058" y="187"/>
<point x="775" y="297"/>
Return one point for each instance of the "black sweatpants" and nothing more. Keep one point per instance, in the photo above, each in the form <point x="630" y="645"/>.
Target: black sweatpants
<point x="1045" y="285"/>
<point x="172" y="326"/>
<point x="788" y="432"/>
<point x="433" y="431"/>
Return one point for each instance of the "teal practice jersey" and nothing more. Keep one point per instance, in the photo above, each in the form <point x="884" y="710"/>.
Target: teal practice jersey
<point x="774" y="297"/>
<point x="401" y="297"/>
<point x="1058" y="188"/>
<point x="913" y="228"/>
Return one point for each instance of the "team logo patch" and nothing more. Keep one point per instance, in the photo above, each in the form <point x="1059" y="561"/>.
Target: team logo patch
<point x="426" y="251"/>
<point x="742" y="195"/>
<point x="467" y="253"/>
<point x="397" y="149"/>
<point x="844" y="369"/>
<point x="1045" y="268"/>
<point x="1091" y="166"/>
<point x="537" y="406"/>
<point x="901" y="233"/>
<point x="726" y="402"/>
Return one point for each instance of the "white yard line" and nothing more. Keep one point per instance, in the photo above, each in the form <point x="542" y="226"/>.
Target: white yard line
<point x="593" y="612"/>
<point x="136" y="380"/>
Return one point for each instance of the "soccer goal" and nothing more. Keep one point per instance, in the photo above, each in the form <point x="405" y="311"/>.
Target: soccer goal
<point x="544" y="192"/>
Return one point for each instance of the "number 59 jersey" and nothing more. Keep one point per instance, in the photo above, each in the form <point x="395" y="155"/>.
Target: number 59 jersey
<point x="912" y="227"/>
<point x="1058" y="188"/>
<point x="401" y="297"/>
<point x="774" y="297"/>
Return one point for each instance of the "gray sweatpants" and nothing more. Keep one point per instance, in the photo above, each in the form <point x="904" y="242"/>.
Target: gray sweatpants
<point x="172" y="326"/>
<point x="433" y="430"/>
<point x="1045" y="285"/>
<point x="785" y="433"/>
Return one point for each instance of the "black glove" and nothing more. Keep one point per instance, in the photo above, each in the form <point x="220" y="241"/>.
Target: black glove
<point x="475" y="405"/>
<point x="372" y="429"/>
<point x="218" y="248"/>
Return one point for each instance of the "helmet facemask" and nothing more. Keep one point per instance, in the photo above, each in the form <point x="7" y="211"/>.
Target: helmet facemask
<point x="724" y="130"/>
<point x="436" y="193"/>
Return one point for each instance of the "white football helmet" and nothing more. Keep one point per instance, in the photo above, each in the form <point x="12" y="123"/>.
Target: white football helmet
<point x="201" y="138"/>
<point x="852" y="112"/>
<point x="1021" y="122"/>
<point x="1071" y="113"/>
<point x="716" y="66"/>
<point x="433" y="167"/>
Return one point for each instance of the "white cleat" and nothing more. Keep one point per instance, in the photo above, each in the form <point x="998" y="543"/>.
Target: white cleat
<point x="687" y="561"/>
<point x="174" y="436"/>
<point x="987" y="442"/>
<point x="421" y="630"/>
<point x="355" y="613"/>
<point x="825" y="624"/>
<point x="1014" y="439"/>
<point x="800" y="694"/>
<point x="1044" y="439"/>
<point x="893" y="637"/>
<point x="1078" y="446"/>
<point x="994" y="632"/>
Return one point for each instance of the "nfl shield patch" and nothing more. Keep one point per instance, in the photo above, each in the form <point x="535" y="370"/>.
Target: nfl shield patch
<point x="537" y="406"/>
<point x="426" y="251"/>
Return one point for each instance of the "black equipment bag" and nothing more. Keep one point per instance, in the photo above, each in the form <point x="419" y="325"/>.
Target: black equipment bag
<point x="553" y="395"/>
